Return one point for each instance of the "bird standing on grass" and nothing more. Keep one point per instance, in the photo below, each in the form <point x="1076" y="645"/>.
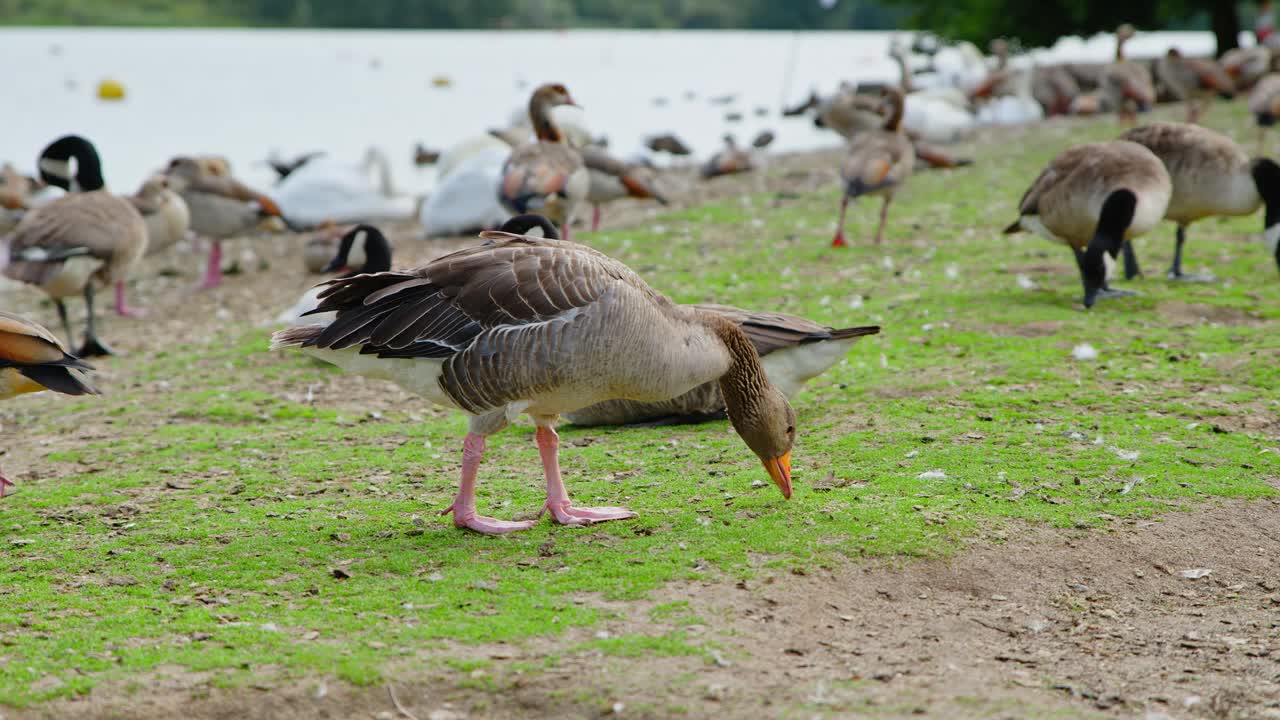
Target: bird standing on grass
<point x="879" y="161"/>
<point x="544" y="327"/>
<point x="546" y="176"/>
<point x="31" y="360"/>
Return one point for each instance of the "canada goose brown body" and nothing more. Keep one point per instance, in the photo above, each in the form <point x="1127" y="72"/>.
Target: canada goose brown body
<point x="878" y="162"/>
<point x="793" y="350"/>
<point x="86" y="237"/>
<point x="1094" y="198"/>
<point x="525" y="325"/>
<point x="32" y="360"/>
<point x="1212" y="175"/>
<point x="546" y="176"/>
<point x="1192" y="80"/>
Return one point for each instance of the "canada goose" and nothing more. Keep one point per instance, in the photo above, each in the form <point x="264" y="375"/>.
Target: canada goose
<point x="729" y="160"/>
<point x="1264" y="103"/>
<point x="548" y="175"/>
<point x="1212" y="175"/>
<point x="31" y="360"/>
<point x="613" y="179"/>
<point x="544" y="327"/>
<point x="792" y="350"/>
<point x="1193" y="80"/>
<point x="220" y="206"/>
<point x="1127" y="85"/>
<point x="667" y="143"/>
<point x="83" y="237"/>
<point x="1093" y="198"/>
<point x="365" y="242"/>
<point x="165" y="213"/>
<point x="879" y="161"/>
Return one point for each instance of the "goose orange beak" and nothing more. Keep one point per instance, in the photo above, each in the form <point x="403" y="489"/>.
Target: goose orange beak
<point x="780" y="471"/>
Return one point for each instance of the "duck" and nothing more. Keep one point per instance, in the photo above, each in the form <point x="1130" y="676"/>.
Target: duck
<point x="83" y="238"/>
<point x="547" y="175"/>
<point x="792" y="349"/>
<point x="165" y="213"/>
<point x="612" y="179"/>
<point x="327" y="188"/>
<point x="878" y="163"/>
<point x="763" y="139"/>
<point x="1192" y="80"/>
<point x="423" y="157"/>
<point x="1212" y="176"/>
<point x="32" y="359"/>
<point x="729" y="160"/>
<point x="1127" y="85"/>
<point x="363" y="244"/>
<point x="541" y="327"/>
<point x="667" y="143"/>
<point x="1264" y="104"/>
<point x="1094" y="198"/>
<point x="219" y="205"/>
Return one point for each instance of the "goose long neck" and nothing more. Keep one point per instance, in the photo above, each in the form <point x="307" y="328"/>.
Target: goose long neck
<point x="543" y="126"/>
<point x="377" y="253"/>
<point x="1120" y="38"/>
<point x="745" y="380"/>
<point x="894" y="122"/>
<point x="904" y="73"/>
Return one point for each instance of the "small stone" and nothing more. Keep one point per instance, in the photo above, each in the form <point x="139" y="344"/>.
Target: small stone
<point x="716" y="692"/>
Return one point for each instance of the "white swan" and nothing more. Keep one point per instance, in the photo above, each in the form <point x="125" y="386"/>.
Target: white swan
<point x="343" y="192"/>
<point x="1019" y="108"/>
<point x="467" y="198"/>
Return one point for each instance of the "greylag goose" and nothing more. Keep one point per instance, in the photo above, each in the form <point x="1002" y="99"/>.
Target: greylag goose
<point x="544" y="327"/>
<point x="1094" y="198"/>
<point x="85" y="237"/>
<point x="1212" y="175"/>
<point x="792" y="350"/>
<point x="546" y="176"/>
<point x="1264" y="104"/>
<point x="165" y="213"/>
<point x="31" y="360"/>
<point x="362" y="249"/>
<point x="220" y="206"/>
<point x="1125" y="84"/>
<point x="731" y="159"/>
<point x="1194" y="81"/>
<point x="879" y="161"/>
<point x="15" y="194"/>
<point x="613" y="179"/>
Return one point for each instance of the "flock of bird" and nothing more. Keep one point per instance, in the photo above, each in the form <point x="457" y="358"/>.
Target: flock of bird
<point x="531" y="323"/>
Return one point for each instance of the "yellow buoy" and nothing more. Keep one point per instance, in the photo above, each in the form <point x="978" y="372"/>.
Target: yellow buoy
<point x="441" y="81"/>
<point x="110" y="90"/>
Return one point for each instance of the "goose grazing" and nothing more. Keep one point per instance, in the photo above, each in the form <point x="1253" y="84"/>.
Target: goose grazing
<point x="1264" y="104"/>
<point x="165" y="213"/>
<point x="220" y="206"/>
<point x="879" y="161"/>
<point x="1093" y="198"/>
<point x="547" y="175"/>
<point x="1212" y="175"/>
<point x="792" y="350"/>
<point x="85" y="237"/>
<point x="731" y="159"/>
<point x="613" y="179"/>
<point x="1125" y="84"/>
<point x="544" y="327"/>
<point x="31" y="360"/>
<point x="1194" y="81"/>
<point x="365" y="242"/>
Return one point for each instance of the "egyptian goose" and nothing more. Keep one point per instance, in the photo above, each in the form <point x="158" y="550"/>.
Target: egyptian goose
<point x="1212" y="175"/>
<point x="220" y="206"/>
<point x="1193" y="80"/>
<point x="1125" y="84"/>
<point x="85" y="237"/>
<point x="547" y="176"/>
<point x="613" y="179"/>
<point x="792" y="350"/>
<point x="1094" y="198"/>
<point x="544" y="327"/>
<point x="1264" y="104"/>
<point x="15" y="193"/>
<point x="1054" y="87"/>
<point x="1246" y="66"/>
<point x="365" y="242"/>
<point x="729" y="160"/>
<point x="879" y="161"/>
<point x="165" y="213"/>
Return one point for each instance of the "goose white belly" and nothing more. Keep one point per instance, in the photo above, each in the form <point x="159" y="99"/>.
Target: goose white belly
<point x="1200" y="195"/>
<point x="420" y="376"/>
<point x="790" y="368"/>
<point x="71" y="279"/>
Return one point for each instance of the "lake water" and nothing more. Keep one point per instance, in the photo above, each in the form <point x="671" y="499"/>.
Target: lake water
<point x="242" y="93"/>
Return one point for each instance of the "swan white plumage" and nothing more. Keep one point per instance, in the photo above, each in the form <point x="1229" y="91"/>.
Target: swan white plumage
<point x="341" y="191"/>
<point x="1019" y="108"/>
<point x="467" y="198"/>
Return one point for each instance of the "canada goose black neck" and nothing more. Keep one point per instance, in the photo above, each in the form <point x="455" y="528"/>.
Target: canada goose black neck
<point x="1266" y="177"/>
<point x="377" y="252"/>
<point x="522" y="224"/>
<point x="1108" y="238"/>
<point x="55" y="167"/>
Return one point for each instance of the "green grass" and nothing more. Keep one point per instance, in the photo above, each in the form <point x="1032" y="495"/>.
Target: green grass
<point x="205" y="534"/>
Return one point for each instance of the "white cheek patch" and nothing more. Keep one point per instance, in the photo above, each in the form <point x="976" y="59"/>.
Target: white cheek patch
<point x="1271" y="237"/>
<point x="1110" y="264"/>
<point x="56" y="168"/>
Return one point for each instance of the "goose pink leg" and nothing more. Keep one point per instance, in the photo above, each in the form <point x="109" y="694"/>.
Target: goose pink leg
<point x="122" y="307"/>
<point x="4" y="483"/>
<point x="464" y="504"/>
<point x="558" y="498"/>
<point x="213" y="272"/>
<point x="595" y="218"/>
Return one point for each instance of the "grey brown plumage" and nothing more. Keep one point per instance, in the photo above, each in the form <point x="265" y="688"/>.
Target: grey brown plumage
<point x="1193" y="80"/>
<point x="1094" y="198"/>
<point x="612" y="179"/>
<point x="1126" y="84"/>
<point x="1264" y="104"/>
<point x="729" y="160"/>
<point x="878" y="162"/>
<point x="546" y="176"/>
<point x="1212" y="176"/>
<point x="165" y="213"/>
